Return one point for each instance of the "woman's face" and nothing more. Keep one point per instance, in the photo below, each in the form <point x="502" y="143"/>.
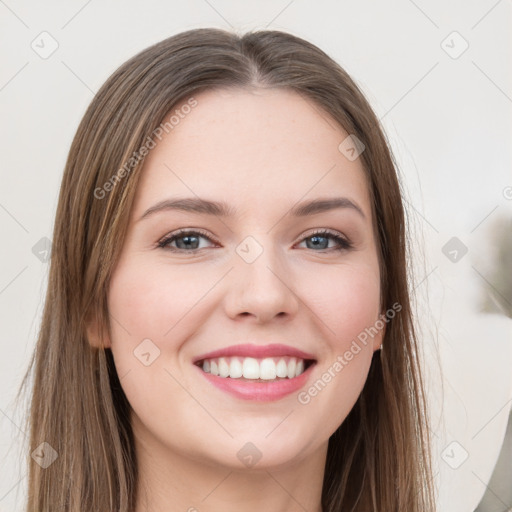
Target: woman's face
<point x="254" y="281"/>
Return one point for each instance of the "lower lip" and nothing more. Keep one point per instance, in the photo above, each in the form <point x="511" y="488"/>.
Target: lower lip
<point x="259" y="391"/>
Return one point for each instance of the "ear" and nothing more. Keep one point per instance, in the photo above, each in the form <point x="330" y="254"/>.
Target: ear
<point x="96" y="332"/>
<point x="379" y="337"/>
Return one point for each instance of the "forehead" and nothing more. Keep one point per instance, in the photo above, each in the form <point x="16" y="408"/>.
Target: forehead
<point x="251" y="147"/>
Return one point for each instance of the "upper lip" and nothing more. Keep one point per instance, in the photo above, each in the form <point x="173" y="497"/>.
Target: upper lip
<point x="256" y="351"/>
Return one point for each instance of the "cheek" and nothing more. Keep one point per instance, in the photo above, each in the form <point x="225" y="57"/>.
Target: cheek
<point x="350" y="309"/>
<point x="148" y="307"/>
<point x="151" y="301"/>
<point x="346" y="299"/>
<point x="151" y="310"/>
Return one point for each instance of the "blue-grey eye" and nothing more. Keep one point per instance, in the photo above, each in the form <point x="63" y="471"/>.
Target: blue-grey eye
<point x="186" y="241"/>
<point x="320" y="240"/>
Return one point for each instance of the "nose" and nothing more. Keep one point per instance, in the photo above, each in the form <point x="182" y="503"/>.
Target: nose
<point x="261" y="289"/>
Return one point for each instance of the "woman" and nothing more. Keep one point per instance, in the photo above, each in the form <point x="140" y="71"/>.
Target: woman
<point x="227" y="323"/>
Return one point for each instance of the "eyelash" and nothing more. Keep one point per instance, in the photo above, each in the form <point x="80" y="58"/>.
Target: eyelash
<point x="163" y="244"/>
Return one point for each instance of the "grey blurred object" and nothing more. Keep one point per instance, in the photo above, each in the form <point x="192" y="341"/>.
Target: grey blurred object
<point x="498" y="496"/>
<point x="498" y="296"/>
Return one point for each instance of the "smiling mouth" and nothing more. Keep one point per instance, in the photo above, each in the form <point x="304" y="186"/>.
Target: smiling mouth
<point x="252" y="369"/>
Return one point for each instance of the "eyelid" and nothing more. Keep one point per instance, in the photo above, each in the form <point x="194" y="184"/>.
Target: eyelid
<point x="317" y="231"/>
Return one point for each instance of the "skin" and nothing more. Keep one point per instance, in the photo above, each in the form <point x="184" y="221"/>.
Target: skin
<point x="260" y="151"/>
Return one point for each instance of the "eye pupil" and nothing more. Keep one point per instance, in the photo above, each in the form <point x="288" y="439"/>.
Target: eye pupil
<point x="316" y="243"/>
<point x="186" y="239"/>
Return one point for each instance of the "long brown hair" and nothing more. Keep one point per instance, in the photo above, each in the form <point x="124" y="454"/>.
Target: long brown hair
<point x="379" y="458"/>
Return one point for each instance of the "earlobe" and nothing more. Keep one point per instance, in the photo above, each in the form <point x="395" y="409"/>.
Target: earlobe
<point x="378" y="339"/>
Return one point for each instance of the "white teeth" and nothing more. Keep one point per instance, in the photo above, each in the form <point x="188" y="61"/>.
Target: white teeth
<point x="235" y="368"/>
<point x="267" y="368"/>
<point x="282" y="368"/>
<point x="291" y="368"/>
<point x="223" y="367"/>
<point x="251" y="368"/>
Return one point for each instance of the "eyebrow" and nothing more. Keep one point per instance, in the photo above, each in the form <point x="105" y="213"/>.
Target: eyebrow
<point x="221" y="209"/>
